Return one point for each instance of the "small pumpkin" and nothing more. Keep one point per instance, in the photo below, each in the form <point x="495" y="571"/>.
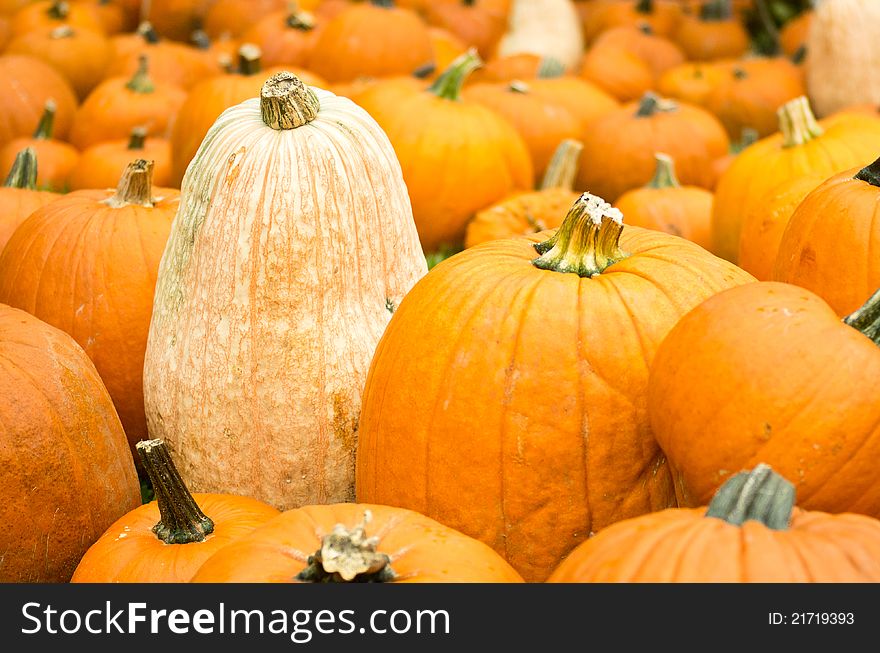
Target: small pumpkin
<point x="50" y="14"/>
<point x="662" y="16"/>
<point x="446" y="47"/>
<point x="715" y="33"/>
<point x="330" y="544"/>
<point x="585" y="101"/>
<point x="235" y="17"/>
<point x="619" y="148"/>
<point x="547" y="28"/>
<point x="120" y="104"/>
<point x="477" y="23"/>
<point x="284" y="37"/>
<point x="112" y="15"/>
<point x="524" y="66"/>
<point x="100" y="165"/>
<point x="58" y="159"/>
<point x="168" y="539"/>
<point x="751" y="532"/>
<point x="665" y="205"/>
<point x="830" y="243"/>
<point x="67" y="472"/>
<point x="769" y="372"/>
<point x="556" y="332"/>
<point x="19" y="196"/>
<point x="691" y="82"/>
<point x="794" y="34"/>
<point x="86" y="264"/>
<point x="619" y="72"/>
<point x="175" y="19"/>
<point x="658" y="53"/>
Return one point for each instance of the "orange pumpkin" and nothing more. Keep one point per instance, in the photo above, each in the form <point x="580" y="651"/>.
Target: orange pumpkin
<point x="524" y="66"/>
<point x="829" y="246"/>
<point x="87" y="264"/>
<point x="235" y="17"/>
<point x="619" y="148"/>
<point x="555" y="335"/>
<point x="522" y="214"/>
<point x="120" y="104"/>
<point x="769" y="372"/>
<point x="714" y="34"/>
<point x="446" y="46"/>
<point x="48" y="14"/>
<point x="751" y="532"/>
<point x="19" y="196"/>
<point x="585" y="101"/>
<point x="57" y="159"/>
<point x="793" y="35"/>
<point x="661" y="16"/>
<point x="25" y="86"/>
<point x="665" y="205"/>
<point x="100" y="165"/>
<point x="175" y="19"/>
<point x="111" y="14"/>
<point x="284" y="38"/>
<point x="721" y="165"/>
<point x="691" y="82"/>
<point x="167" y="540"/>
<point x="444" y="145"/>
<point x="67" y="472"/>
<point x="478" y="23"/>
<point x="374" y="39"/>
<point x="803" y="146"/>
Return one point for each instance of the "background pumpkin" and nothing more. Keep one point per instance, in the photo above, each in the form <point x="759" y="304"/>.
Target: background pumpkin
<point x="100" y="165"/>
<point x="715" y="33"/>
<point x="19" y="196"/>
<point x="284" y="37"/>
<point x="67" y="471"/>
<point x="692" y="82"/>
<point x="547" y="28"/>
<point x="53" y="13"/>
<point x="477" y="23"/>
<point x="235" y="17"/>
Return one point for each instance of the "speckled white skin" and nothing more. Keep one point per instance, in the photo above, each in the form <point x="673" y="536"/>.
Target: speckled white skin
<point x="289" y="252"/>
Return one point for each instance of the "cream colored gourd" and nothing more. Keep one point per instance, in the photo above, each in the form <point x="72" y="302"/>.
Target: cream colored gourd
<point x="293" y="245"/>
<point x="547" y="28"/>
<point x="844" y="47"/>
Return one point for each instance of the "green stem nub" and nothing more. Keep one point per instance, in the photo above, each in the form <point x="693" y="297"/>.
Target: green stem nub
<point x="797" y="122"/>
<point x="587" y="243"/>
<point x="141" y="82"/>
<point x="301" y="20"/>
<point x="425" y="70"/>
<point x="761" y="495"/>
<point x="200" y="39"/>
<point x="46" y="126"/>
<point x="59" y="10"/>
<point x="385" y="4"/>
<point x="664" y="174"/>
<point x="148" y="32"/>
<point x="550" y="68"/>
<point x="716" y="10"/>
<point x="24" y="170"/>
<point x="287" y="103"/>
<point x="249" y="56"/>
<point x="138" y="138"/>
<point x="870" y="174"/>
<point x="645" y="6"/>
<point x="181" y="520"/>
<point x="563" y="167"/>
<point x="448" y="85"/>
<point x="867" y="318"/>
<point x="651" y="103"/>
<point x="348" y="556"/>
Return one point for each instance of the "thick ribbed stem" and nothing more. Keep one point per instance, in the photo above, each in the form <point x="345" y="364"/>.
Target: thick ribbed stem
<point x="181" y="520"/>
<point x="587" y="243"/>
<point x="138" y="138"/>
<point x="249" y="59"/>
<point x="448" y="85"/>
<point x="24" y="171"/>
<point x="761" y="495"/>
<point x="664" y="174"/>
<point x="797" y="123"/>
<point x="867" y="318"/>
<point x="563" y="167"/>
<point x="287" y="103"/>
<point x="141" y="82"/>
<point x="348" y="556"/>
<point x="135" y="186"/>
<point x="46" y="126"/>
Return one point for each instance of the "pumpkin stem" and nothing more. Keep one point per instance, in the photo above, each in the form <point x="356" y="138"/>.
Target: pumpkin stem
<point x="563" y="167"/>
<point x="740" y="73"/>
<point x="249" y="59"/>
<point x="301" y="20"/>
<point x="550" y="68"/>
<point x="385" y="4"/>
<point x="645" y="6"/>
<point x="518" y="86"/>
<point x="181" y="520"/>
<point x="46" y="126"/>
<point x="664" y="174"/>
<point x="866" y="319"/>
<point x="448" y="85"/>
<point x="748" y="137"/>
<point x="425" y="70"/>
<point x="800" y="55"/>
<point x="141" y="82"/>
<point x="716" y="10"/>
<point x="63" y="32"/>
<point x="870" y="174"/>
<point x="797" y="123"/>
<point x="59" y="10"/>
<point x="761" y="495"/>
<point x="348" y="556"/>
<point x="200" y="39"/>
<point x="651" y="104"/>
<point x="138" y="138"/>
<point x="287" y="103"/>
<point x="587" y="243"/>
<point x="24" y="170"/>
<point x="135" y="186"/>
<point x="148" y="32"/>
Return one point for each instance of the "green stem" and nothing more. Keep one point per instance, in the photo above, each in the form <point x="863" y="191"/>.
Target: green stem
<point x="148" y="32"/>
<point x="385" y="4"/>
<point x="181" y="520"/>
<point x="425" y="70"/>
<point x="867" y="318"/>
<point x="870" y="174"/>
<point x="651" y="103"/>
<point x="59" y="10"/>
<point x="287" y="103"/>
<point x="141" y="82"/>
<point x="761" y="495"/>
<point x="200" y="39"/>
<point x="550" y="68"/>
<point x="645" y="6"/>
<point x="716" y="10"/>
<point x="587" y="243"/>
<point x="563" y="167"/>
<point x="797" y="123"/>
<point x="24" y="170"/>
<point x="448" y="85"/>
<point x="664" y="175"/>
<point x="138" y="138"/>
<point x="249" y="59"/>
<point x="46" y="126"/>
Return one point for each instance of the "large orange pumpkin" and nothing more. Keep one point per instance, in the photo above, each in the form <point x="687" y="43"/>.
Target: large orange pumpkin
<point x="67" y="472"/>
<point x="19" y="196"/>
<point x="167" y="540"/>
<point x="87" y="264"/>
<point x="330" y="544"/>
<point x="831" y="242"/>
<point x="768" y="372"/>
<point x="750" y="533"/>
<point x="100" y="165"/>
<point x="528" y="428"/>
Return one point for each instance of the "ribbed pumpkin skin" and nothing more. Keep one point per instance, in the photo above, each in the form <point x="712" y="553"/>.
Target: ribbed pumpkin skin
<point x="100" y="165"/>
<point x="684" y="546"/>
<point x="90" y="270"/>
<point x="830" y="244"/>
<point x="25" y="85"/>
<point x="421" y="550"/>
<point x="16" y="204"/>
<point x="684" y="211"/>
<point x="847" y="142"/>
<point x="67" y="472"/>
<point x="527" y="427"/>
<point x="520" y="215"/>
<point x="768" y="373"/>
<point x="286" y="254"/>
<point x="130" y="552"/>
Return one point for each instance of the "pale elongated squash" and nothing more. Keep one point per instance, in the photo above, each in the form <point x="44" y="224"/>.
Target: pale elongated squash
<point x="548" y="28"/>
<point x="293" y="245"/>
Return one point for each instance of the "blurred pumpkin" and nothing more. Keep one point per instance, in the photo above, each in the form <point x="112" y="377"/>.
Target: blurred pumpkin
<point x="101" y="164"/>
<point x="235" y="17"/>
<point x="477" y="23"/>
<point x="19" y="196"/>
<point x="57" y="159"/>
<point x="45" y="15"/>
<point x="284" y="38"/>
<point x="715" y="33"/>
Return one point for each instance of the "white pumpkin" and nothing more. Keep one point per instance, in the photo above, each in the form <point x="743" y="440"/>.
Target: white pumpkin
<point x="293" y="244"/>
<point x="547" y="28"/>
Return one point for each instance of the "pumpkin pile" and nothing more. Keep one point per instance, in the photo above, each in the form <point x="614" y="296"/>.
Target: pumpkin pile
<point x="439" y="291"/>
